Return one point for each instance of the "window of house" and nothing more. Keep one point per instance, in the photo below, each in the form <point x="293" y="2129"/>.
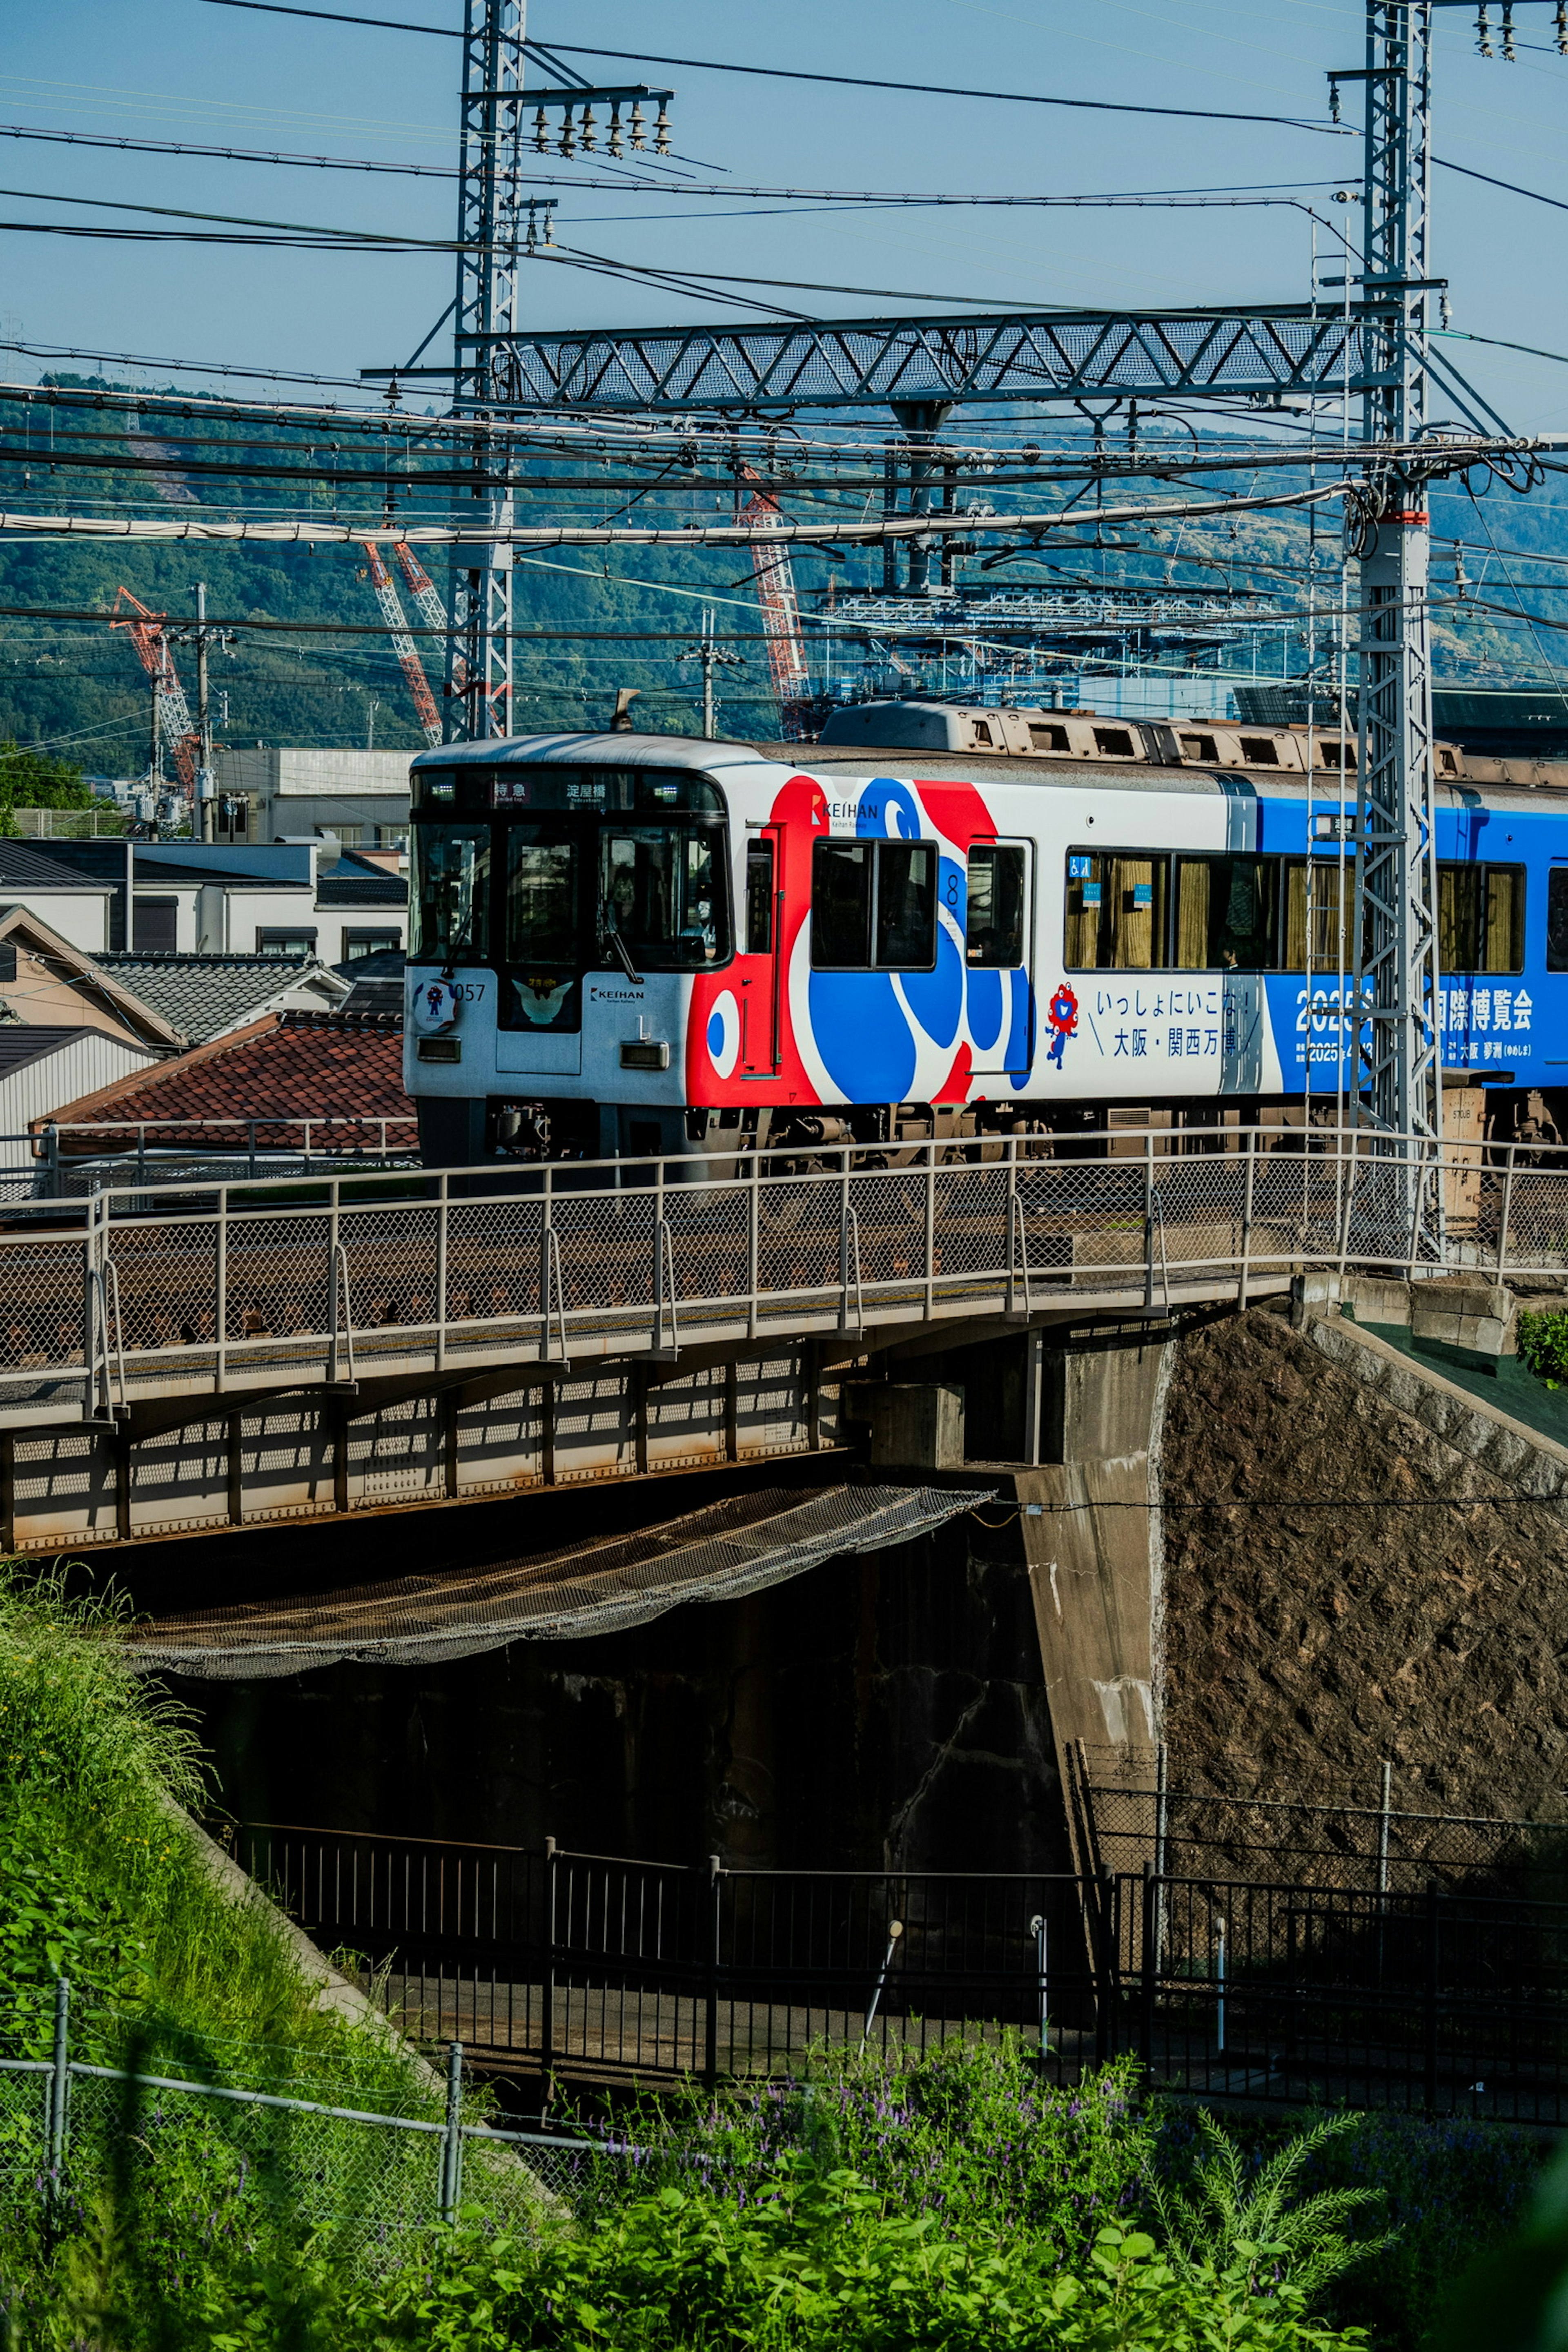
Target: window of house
<point x="873" y="905"/>
<point x="1116" y="919"/>
<point x="155" y="925"/>
<point x="369" y="943"/>
<point x="993" y="922"/>
<point x="1480" y="918"/>
<point x="281" y="942"/>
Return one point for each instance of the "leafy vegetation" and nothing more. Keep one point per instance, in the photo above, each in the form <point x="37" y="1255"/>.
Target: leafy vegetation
<point x="877" y="2203"/>
<point x="1543" y="1346"/>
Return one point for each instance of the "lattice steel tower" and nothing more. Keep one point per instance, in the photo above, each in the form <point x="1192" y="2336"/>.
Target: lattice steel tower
<point x="491" y="213"/>
<point x="1393" y="936"/>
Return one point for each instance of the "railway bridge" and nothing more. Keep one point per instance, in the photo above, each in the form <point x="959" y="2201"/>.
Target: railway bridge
<point x="180" y="1361"/>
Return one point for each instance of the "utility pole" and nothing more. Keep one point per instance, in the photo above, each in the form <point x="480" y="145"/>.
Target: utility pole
<point x="1394" y="915"/>
<point x="713" y="656"/>
<point x="202" y="639"/>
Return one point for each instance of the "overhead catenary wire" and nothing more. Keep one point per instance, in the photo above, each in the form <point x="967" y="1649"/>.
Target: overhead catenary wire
<point x="794" y="73"/>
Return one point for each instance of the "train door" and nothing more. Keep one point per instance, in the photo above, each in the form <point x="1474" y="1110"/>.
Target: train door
<point x="998" y="955"/>
<point x="760" y="966"/>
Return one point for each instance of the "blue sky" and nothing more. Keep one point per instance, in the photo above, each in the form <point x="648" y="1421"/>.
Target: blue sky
<point x="180" y="69"/>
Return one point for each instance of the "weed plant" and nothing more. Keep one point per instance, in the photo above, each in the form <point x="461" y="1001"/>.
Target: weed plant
<point x="1543" y="1346"/>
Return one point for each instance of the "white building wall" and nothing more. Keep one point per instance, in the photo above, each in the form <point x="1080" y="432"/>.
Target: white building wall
<point x="79" y="915"/>
<point x="41" y="1088"/>
<point x="308" y="790"/>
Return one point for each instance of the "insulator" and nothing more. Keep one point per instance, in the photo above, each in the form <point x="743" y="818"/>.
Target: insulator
<point x="550" y="227"/>
<point x="541" y="134"/>
<point x="568" y="134"/>
<point x="531" y="242"/>
<point x="1483" y="33"/>
<point x="1563" y="28"/>
<point x="590" y="135"/>
<point x="661" y="131"/>
<point x="639" y="137"/>
<point x="615" y="126"/>
<point x="1334" y="97"/>
<point x="1508" y="32"/>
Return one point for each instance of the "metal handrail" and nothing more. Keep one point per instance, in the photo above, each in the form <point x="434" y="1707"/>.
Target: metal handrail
<point x="965" y="1209"/>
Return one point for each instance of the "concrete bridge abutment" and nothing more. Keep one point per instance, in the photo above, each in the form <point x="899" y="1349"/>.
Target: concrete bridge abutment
<point x="1091" y="1534"/>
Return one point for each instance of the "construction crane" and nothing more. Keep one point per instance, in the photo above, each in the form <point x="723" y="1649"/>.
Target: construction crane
<point x="174" y="730"/>
<point x="774" y="577"/>
<point x="432" y="611"/>
<point x="403" y="645"/>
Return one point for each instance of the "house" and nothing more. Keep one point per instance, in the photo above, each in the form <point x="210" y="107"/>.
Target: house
<point x="75" y="902"/>
<point x="46" y="982"/>
<point x="204" y="996"/>
<point x="273" y="793"/>
<point x="190" y="897"/>
<point x="268" y="1078"/>
<point x="42" y="1066"/>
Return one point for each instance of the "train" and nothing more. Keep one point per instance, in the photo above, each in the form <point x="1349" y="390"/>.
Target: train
<point x="941" y="921"/>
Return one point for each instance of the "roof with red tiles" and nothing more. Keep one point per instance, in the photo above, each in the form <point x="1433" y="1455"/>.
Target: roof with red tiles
<point x="275" y="1069"/>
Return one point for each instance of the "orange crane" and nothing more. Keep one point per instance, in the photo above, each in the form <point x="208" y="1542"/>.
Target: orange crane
<point x="403" y="645"/>
<point x="176" y="731"/>
<point x="427" y="597"/>
<point x="774" y="578"/>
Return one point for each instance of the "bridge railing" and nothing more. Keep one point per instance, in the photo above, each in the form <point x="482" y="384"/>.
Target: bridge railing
<point x="237" y="1284"/>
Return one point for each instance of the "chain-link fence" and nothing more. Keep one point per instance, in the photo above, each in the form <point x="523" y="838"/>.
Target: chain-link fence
<point x="205" y="2156"/>
<point x="1130" y="1819"/>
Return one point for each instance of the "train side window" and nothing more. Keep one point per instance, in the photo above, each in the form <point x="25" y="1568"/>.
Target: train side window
<point x="993" y="920"/>
<point x="1480" y="918"/>
<point x="1116" y="912"/>
<point x="873" y="905"/>
<point x="906" y="905"/>
<point x="758" y="898"/>
<point x="1320" y="945"/>
<point x="1502" y="937"/>
<point x="841" y="906"/>
<point x="1228" y="914"/>
<point x="1557" y="920"/>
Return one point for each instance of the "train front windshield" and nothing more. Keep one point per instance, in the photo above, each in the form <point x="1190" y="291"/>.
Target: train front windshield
<point x="550" y="872"/>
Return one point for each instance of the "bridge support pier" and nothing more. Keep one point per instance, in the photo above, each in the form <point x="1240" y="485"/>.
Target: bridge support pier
<point x="1091" y="1539"/>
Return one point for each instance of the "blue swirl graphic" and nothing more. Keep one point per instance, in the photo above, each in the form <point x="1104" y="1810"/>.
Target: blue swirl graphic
<point x="862" y="1035"/>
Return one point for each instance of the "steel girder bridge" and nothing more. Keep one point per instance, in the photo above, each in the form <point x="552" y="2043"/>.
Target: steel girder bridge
<point x="176" y="1363"/>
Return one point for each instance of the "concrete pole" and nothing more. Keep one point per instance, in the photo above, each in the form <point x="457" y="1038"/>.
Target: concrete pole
<point x="204" y="802"/>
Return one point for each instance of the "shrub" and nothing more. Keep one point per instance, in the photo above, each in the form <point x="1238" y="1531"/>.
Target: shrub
<point x="1543" y="1346"/>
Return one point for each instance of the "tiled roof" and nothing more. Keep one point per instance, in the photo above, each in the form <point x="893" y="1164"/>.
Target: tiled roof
<point x="275" y="1069"/>
<point x="22" y="868"/>
<point x="202" y="995"/>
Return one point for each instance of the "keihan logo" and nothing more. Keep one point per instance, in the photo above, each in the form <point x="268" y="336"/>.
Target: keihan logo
<point x="1062" y="1015"/>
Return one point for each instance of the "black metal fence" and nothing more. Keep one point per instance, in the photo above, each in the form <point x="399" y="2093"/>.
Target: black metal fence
<point x="594" y="1968"/>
